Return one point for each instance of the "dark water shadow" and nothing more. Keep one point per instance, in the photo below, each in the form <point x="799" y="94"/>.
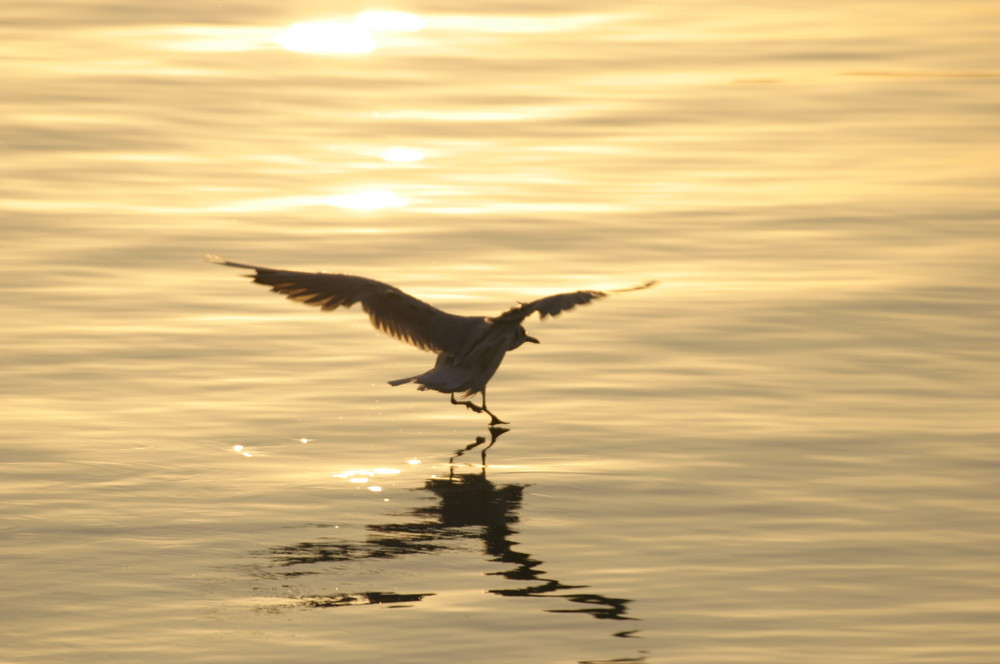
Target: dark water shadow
<point x="465" y="506"/>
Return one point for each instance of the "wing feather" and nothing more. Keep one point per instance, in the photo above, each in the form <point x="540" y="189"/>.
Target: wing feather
<point x="390" y="310"/>
<point x="553" y="305"/>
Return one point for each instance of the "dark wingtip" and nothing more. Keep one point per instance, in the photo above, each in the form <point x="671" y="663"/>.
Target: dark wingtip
<point x="218" y="260"/>
<point x="648" y="284"/>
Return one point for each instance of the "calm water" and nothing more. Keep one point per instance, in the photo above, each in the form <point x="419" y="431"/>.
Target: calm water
<point x="785" y="452"/>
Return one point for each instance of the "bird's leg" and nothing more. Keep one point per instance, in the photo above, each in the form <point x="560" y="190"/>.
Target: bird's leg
<point x="478" y="409"/>
<point x="468" y="404"/>
<point x="495" y="420"/>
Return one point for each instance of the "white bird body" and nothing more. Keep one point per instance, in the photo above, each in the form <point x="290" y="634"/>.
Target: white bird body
<point x="469" y="370"/>
<point x="469" y="348"/>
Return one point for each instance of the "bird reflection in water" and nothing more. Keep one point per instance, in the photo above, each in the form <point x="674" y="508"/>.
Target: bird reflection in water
<point x="495" y="432"/>
<point x="467" y="505"/>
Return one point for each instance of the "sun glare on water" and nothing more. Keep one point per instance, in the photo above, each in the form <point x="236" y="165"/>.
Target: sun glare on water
<point x="402" y="155"/>
<point x="326" y="37"/>
<point x="345" y="38"/>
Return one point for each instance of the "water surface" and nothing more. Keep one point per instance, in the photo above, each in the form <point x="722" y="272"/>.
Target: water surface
<point x="787" y="451"/>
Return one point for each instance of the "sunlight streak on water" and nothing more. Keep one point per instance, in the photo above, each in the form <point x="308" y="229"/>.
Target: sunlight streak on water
<point x="370" y="199"/>
<point x="346" y="38"/>
<point x="326" y="37"/>
<point x="401" y="154"/>
<point x="502" y="22"/>
<point x="393" y="21"/>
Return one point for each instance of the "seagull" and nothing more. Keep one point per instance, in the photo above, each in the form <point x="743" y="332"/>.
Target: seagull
<point x="469" y="348"/>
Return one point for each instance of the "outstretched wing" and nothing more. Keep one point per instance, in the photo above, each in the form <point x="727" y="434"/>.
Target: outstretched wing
<point x="390" y="309"/>
<point x="553" y="305"/>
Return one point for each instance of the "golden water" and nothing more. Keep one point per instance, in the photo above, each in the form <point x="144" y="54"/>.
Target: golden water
<point x="785" y="452"/>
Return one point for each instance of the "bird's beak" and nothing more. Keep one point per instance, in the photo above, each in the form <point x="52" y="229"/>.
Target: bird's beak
<point x="531" y="339"/>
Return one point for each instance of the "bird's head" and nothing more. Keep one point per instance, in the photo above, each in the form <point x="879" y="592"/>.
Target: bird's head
<point x="520" y="337"/>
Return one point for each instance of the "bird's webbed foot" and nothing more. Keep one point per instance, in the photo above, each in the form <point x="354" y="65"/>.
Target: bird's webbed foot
<point x="468" y="404"/>
<point x="494" y="420"/>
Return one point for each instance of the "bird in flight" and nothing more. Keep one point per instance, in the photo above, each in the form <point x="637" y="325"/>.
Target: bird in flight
<point x="469" y="348"/>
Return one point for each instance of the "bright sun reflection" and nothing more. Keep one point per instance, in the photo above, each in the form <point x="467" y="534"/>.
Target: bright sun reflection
<point x="326" y="37"/>
<point x="402" y="154"/>
<point x="364" y="477"/>
<point x="371" y="199"/>
<point x="346" y="38"/>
